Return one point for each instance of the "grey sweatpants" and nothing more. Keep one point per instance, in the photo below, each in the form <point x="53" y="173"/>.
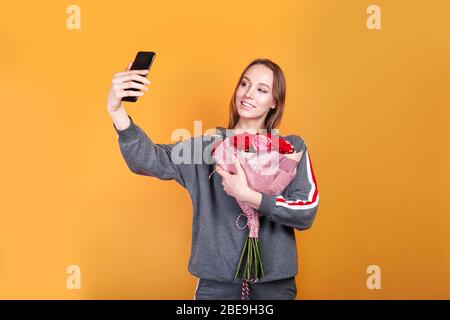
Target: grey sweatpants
<point x="284" y="289"/>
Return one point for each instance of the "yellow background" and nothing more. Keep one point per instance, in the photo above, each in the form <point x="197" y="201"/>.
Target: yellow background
<point x="372" y="106"/>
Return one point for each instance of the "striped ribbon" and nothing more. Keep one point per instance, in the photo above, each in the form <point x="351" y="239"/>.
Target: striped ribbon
<point x="245" y="290"/>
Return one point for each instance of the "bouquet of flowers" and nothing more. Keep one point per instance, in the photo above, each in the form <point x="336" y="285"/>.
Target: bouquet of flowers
<point x="270" y="163"/>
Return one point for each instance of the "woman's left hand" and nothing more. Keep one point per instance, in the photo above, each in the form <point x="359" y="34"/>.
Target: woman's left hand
<point x="235" y="185"/>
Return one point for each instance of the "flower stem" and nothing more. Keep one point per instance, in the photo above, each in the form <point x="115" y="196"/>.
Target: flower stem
<point x="251" y="259"/>
<point x="240" y="260"/>
<point x="254" y="266"/>
<point x="257" y="266"/>
<point x="259" y="257"/>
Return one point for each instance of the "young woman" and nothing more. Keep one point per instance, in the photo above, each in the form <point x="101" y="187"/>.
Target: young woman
<point x="257" y="104"/>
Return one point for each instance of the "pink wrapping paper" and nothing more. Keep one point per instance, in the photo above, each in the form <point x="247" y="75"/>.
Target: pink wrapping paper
<point x="266" y="171"/>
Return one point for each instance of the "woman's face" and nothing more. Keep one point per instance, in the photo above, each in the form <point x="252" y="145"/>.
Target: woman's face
<point x="254" y="96"/>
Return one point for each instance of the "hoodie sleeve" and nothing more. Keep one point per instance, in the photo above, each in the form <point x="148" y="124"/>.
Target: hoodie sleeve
<point x="144" y="157"/>
<point x="297" y="205"/>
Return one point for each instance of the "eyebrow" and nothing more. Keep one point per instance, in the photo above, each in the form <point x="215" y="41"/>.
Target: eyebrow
<point x="258" y="83"/>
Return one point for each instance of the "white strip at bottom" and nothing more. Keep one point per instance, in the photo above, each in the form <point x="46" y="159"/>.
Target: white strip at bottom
<point x="196" y="288"/>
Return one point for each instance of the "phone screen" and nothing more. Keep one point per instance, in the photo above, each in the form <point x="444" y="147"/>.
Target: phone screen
<point x="143" y="60"/>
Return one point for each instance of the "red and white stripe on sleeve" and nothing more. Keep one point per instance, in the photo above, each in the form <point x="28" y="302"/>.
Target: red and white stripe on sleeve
<point x="313" y="196"/>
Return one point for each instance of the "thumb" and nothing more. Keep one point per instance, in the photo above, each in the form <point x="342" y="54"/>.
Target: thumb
<point x="129" y="66"/>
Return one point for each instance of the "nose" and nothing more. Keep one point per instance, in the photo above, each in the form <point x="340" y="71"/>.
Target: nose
<point x="249" y="94"/>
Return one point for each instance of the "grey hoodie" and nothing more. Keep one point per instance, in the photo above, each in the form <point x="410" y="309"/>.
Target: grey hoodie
<point x="216" y="241"/>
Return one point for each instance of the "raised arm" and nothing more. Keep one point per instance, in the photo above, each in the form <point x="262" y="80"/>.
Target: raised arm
<point x="146" y="158"/>
<point x="142" y="156"/>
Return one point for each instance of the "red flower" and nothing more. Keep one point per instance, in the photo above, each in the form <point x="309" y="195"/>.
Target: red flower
<point x="261" y="142"/>
<point x="242" y="141"/>
<point x="281" y="145"/>
<point x="286" y="147"/>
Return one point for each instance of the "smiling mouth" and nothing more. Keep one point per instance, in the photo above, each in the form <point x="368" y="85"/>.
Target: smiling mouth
<point x="246" y="106"/>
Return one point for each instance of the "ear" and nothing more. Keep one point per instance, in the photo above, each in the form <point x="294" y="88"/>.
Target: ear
<point x="274" y="104"/>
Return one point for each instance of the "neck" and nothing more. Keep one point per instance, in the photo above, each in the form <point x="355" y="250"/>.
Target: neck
<point x="249" y="125"/>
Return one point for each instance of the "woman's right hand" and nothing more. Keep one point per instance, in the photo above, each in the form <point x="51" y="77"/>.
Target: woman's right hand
<point x="123" y="80"/>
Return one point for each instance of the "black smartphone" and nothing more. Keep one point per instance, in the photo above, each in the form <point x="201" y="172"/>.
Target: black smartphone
<point x="143" y="60"/>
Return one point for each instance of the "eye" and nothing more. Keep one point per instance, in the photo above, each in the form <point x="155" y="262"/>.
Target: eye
<point x="243" y="83"/>
<point x="264" y="91"/>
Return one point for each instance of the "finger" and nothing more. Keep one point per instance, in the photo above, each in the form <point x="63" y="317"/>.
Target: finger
<point x="129" y="66"/>
<point x="129" y="93"/>
<point x="130" y="77"/>
<point x="222" y="172"/>
<point x="219" y="171"/>
<point x="122" y="73"/>
<point x="131" y="84"/>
